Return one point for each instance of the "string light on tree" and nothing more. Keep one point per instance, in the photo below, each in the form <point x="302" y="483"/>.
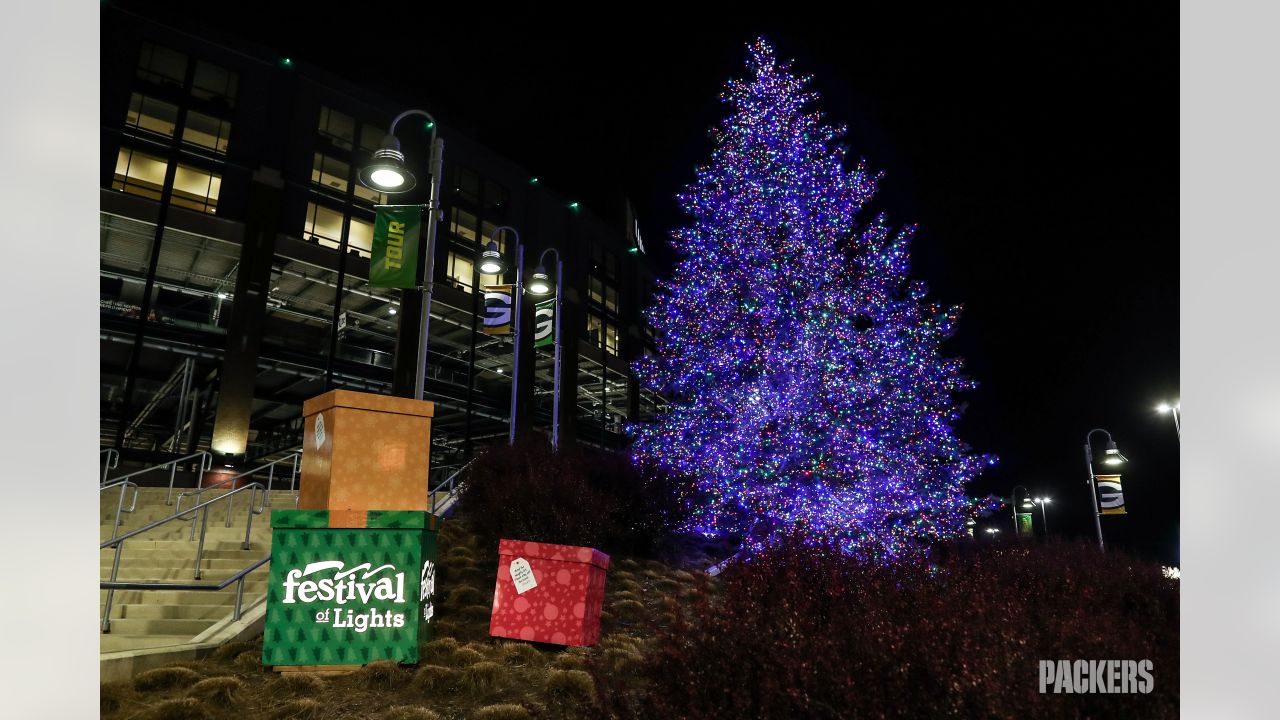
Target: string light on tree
<point x="806" y="389"/>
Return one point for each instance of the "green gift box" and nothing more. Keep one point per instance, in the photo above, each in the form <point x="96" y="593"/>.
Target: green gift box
<point x="349" y="595"/>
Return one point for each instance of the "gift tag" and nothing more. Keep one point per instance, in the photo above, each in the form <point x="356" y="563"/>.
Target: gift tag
<point x="522" y="576"/>
<point x="319" y="431"/>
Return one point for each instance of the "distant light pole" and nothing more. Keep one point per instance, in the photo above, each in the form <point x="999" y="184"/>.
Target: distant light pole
<point x="1013" y="504"/>
<point x="1110" y="456"/>
<point x="1175" y="408"/>
<point x="1042" y="502"/>
<point x="387" y="173"/>
<point x="539" y="284"/>
<point x="992" y="532"/>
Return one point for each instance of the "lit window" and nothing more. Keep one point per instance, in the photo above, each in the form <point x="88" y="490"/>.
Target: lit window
<point x="138" y="173"/>
<point x="486" y="235"/>
<point x="162" y="65"/>
<point x="611" y="298"/>
<point x="459" y="271"/>
<point x="372" y="196"/>
<point x="340" y="129"/>
<point x="206" y="131"/>
<point x="196" y="189"/>
<point x="360" y="237"/>
<point x="371" y="138"/>
<point x="459" y="268"/>
<point x="151" y="115"/>
<point x="330" y="173"/>
<point x="611" y="339"/>
<point x="323" y="224"/>
<point x="214" y="83"/>
<point x="463" y="224"/>
<point x="595" y="290"/>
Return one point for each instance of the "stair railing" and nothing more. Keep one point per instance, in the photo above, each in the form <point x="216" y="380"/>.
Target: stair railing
<point x="110" y="459"/>
<point x="206" y="462"/>
<point x="270" y="467"/>
<point x="446" y="486"/>
<point x="203" y="510"/>
<point x="124" y="486"/>
<point x="238" y="579"/>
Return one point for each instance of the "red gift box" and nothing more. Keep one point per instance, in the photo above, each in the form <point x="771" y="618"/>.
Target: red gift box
<point x="563" y="592"/>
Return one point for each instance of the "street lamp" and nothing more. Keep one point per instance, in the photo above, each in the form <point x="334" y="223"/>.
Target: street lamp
<point x="539" y="284"/>
<point x="1175" y="408"/>
<point x="1013" y="505"/>
<point x="388" y="173"/>
<point x="1111" y="456"/>
<point x="992" y="532"/>
<point x="1042" y="502"/>
<point x="491" y="262"/>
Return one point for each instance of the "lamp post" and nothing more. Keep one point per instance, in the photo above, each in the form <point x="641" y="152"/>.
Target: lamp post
<point x="1175" y="408"/>
<point x="539" y="284"/>
<point x="1013" y="505"/>
<point x="1110" y="456"/>
<point x="387" y="173"/>
<point x="1042" y="501"/>
<point x="992" y="532"/>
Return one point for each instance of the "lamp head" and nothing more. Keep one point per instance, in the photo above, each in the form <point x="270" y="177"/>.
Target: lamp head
<point x="1112" y="454"/>
<point x="491" y="262"/>
<point x="386" y="172"/>
<point x="540" y="284"/>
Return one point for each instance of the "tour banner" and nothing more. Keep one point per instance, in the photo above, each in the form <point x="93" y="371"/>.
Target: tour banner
<point x="1110" y="495"/>
<point x="395" y="247"/>
<point x="1025" y="528"/>
<point x="497" y="309"/>
<point x="544" y="323"/>
<point x="349" y="596"/>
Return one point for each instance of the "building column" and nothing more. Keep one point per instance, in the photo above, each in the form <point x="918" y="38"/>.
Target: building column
<point x="248" y="312"/>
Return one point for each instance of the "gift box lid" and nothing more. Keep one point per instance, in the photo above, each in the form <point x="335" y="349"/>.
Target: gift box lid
<point x="367" y="401"/>
<point x="549" y="551"/>
<point x="374" y="520"/>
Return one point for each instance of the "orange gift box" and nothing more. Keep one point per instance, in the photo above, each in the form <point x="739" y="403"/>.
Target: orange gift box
<point x="554" y="593"/>
<point x="364" y="452"/>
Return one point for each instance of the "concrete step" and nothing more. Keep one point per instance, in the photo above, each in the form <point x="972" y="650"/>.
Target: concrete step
<point x="173" y="627"/>
<point x="178" y="575"/>
<point x="117" y="641"/>
<point x="226" y="564"/>
<point x="135" y="611"/>
<point x="178" y="554"/>
<point x="225" y="597"/>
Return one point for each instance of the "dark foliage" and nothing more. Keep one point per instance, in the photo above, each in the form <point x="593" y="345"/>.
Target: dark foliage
<point x="803" y="632"/>
<point x="577" y="496"/>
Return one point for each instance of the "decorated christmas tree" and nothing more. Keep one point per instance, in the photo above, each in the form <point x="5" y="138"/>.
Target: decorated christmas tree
<point x="802" y="366"/>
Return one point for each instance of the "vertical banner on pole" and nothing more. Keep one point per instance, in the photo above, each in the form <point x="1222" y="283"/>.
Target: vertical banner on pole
<point x="544" y="323"/>
<point x="497" y="310"/>
<point x="1025" y="528"/>
<point x="394" y="261"/>
<point x="1110" y="495"/>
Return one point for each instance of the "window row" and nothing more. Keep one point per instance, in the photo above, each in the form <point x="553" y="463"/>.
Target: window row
<point x="163" y="66"/>
<point x="602" y="333"/>
<point x="139" y="173"/>
<point x="161" y="119"/>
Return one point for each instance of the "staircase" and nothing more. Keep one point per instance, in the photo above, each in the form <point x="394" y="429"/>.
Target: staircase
<point x="148" y="619"/>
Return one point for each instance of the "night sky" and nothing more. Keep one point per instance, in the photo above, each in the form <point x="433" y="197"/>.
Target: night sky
<point x="1036" y="149"/>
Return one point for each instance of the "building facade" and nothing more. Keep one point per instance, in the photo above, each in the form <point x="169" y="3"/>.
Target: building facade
<point x="235" y="243"/>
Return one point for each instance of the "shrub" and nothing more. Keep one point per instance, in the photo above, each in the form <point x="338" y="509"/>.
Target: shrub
<point x="410" y="712"/>
<point x="382" y="674"/>
<point x="814" y="633"/>
<point x="505" y="711"/>
<point x="217" y="690"/>
<point x="518" y="653"/>
<point x="177" y="709"/>
<point x="164" y="678"/>
<point x="464" y="656"/>
<point x="576" y="496"/>
<point x="232" y="649"/>
<point x="303" y="709"/>
<point x="482" y="677"/>
<point x="113" y="695"/>
<point x="437" y="678"/>
<point x="300" y="683"/>
<point x="572" y="686"/>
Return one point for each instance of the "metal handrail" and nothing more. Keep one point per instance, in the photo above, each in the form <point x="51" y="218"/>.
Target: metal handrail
<point x="111" y="586"/>
<point x="112" y="461"/>
<point x="294" y="455"/>
<point x="118" y="542"/>
<point x="206" y="462"/>
<point x="124" y="487"/>
<point x="431" y="492"/>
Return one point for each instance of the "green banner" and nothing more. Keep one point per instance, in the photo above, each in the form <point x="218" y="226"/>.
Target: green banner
<point x="544" y="323"/>
<point x="1024" y="525"/>
<point x="395" y="247"/>
<point x="348" y="596"/>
